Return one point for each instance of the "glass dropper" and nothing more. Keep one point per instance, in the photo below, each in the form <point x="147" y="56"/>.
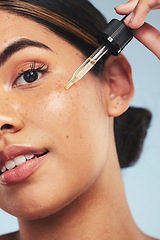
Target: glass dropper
<point x="87" y="65"/>
<point x="113" y="38"/>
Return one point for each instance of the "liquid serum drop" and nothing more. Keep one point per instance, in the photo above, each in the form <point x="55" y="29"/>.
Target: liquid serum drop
<point x="113" y="39"/>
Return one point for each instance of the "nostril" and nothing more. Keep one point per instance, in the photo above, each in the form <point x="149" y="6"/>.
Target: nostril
<point x="6" y="127"/>
<point x="10" y="120"/>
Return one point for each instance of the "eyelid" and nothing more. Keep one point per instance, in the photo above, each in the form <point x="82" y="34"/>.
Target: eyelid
<point x="32" y="69"/>
<point x="32" y="66"/>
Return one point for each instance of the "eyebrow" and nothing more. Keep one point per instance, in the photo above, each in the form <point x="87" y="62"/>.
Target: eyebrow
<point x="17" y="46"/>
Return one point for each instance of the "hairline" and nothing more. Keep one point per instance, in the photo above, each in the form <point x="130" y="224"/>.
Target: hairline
<point x="27" y="10"/>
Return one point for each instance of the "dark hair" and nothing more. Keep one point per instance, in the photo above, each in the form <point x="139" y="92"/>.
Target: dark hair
<point x="130" y="132"/>
<point x="80" y="23"/>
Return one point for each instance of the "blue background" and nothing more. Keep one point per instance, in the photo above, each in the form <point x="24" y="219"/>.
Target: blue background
<point x="142" y="182"/>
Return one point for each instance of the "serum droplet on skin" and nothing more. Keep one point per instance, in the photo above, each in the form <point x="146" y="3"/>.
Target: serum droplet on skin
<point x="59" y="87"/>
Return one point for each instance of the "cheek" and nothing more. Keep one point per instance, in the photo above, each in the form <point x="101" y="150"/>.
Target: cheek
<point x="73" y="127"/>
<point x="74" y="130"/>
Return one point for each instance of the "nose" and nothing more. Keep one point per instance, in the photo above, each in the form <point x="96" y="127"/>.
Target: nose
<point x="10" y="120"/>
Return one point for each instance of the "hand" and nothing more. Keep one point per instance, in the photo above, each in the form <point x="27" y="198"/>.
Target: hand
<point x="145" y="33"/>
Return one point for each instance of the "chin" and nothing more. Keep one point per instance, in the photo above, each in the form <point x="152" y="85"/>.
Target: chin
<point x="34" y="207"/>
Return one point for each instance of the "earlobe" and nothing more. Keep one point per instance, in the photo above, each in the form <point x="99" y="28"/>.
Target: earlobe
<point x="118" y="76"/>
<point x="117" y="105"/>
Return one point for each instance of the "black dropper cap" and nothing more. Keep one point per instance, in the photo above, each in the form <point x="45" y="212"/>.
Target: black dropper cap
<point x="116" y="36"/>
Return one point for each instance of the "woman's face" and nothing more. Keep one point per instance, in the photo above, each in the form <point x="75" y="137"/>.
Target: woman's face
<point x="38" y="116"/>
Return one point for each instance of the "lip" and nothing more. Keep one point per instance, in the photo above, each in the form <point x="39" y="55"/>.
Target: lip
<point x="24" y="170"/>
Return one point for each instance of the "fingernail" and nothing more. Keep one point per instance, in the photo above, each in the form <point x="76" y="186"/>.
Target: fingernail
<point x="129" y="18"/>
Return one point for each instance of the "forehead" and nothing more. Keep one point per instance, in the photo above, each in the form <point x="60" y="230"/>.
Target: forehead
<point x="16" y="22"/>
<point x="14" y="27"/>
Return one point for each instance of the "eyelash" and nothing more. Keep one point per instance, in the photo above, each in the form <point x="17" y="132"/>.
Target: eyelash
<point x="32" y="69"/>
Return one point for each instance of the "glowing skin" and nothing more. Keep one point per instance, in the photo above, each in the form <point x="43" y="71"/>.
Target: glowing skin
<point x="76" y="127"/>
<point x="49" y="117"/>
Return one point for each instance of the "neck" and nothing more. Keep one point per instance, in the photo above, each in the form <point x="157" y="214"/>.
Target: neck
<point x="100" y="213"/>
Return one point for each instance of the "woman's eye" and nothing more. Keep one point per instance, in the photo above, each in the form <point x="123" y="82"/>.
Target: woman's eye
<point x="30" y="76"/>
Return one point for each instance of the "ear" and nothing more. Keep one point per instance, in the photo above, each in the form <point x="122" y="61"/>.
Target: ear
<point x="118" y="76"/>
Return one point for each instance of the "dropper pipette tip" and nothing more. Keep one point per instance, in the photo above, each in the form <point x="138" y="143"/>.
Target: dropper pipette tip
<point x="71" y="82"/>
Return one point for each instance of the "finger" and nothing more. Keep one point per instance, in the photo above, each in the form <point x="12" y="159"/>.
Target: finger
<point x="137" y="17"/>
<point x="150" y="37"/>
<point x="127" y="7"/>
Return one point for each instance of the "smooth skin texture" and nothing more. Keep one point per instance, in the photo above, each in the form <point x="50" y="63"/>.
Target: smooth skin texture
<point x="78" y="192"/>
<point x="74" y="126"/>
